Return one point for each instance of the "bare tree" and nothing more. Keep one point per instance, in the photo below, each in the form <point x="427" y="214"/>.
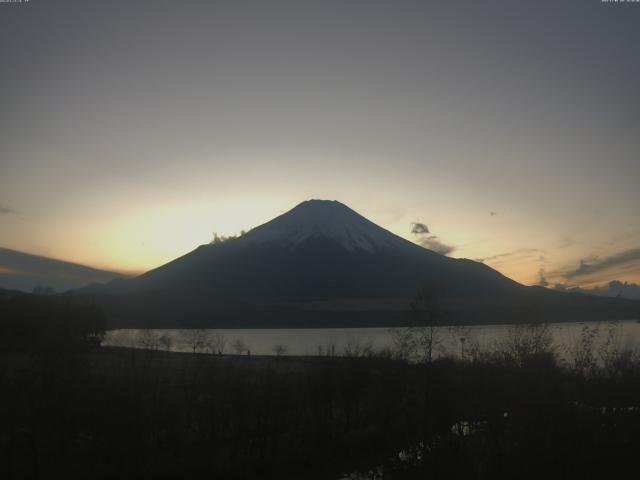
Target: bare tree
<point x="166" y="341"/>
<point x="216" y="343"/>
<point x="148" y="340"/>
<point x="527" y="341"/>
<point x="196" y="339"/>
<point x="427" y="314"/>
<point x="239" y="346"/>
<point x="421" y="339"/>
<point x="609" y="351"/>
<point x="355" y="347"/>
<point x="404" y="342"/>
<point x="279" y="350"/>
<point x="581" y="352"/>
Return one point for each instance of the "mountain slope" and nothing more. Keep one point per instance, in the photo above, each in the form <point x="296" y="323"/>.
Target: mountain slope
<point x="319" y="250"/>
<point x="320" y="262"/>
<point x="23" y="271"/>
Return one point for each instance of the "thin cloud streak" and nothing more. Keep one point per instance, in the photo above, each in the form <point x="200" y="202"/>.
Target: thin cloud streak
<point x="615" y="288"/>
<point x="520" y="253"/>
<point x="588" y="267"/>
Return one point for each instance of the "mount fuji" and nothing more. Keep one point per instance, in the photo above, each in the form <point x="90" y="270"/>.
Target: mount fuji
<point x="323" y="264"/>
<point x="326" y="219"/>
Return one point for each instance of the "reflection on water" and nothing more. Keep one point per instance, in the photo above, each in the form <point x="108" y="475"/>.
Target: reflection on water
<point x="454" y="341"/>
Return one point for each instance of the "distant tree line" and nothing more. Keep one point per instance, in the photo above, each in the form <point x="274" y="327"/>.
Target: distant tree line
<point x="43" y="323"/>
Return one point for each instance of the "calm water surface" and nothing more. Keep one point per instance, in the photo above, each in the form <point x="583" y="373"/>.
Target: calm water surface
<point x="337" y="341"/>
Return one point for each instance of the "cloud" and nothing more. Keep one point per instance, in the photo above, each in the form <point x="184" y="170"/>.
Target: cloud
<point x="542" y="278"/>
<point x="624" y="238"/>
<point x="6" y="209"/>
<point x="430" y="242"/>
<point x="521" y="253"/>
<point x="418" y="228"/>
<point x="615" y="288"/>
<point x="595" y="265"/>
<point x="567" y="241"/>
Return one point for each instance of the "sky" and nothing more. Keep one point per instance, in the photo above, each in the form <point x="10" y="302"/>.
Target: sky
<point x="130" y="131"/>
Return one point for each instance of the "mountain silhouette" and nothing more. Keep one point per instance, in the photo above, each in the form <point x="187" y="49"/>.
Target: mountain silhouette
<point x="320" y="263"/>
<point x="26" y="272"/>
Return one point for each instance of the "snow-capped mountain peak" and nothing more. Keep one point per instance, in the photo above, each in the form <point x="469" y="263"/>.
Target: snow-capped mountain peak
<point x="328" y="219"/>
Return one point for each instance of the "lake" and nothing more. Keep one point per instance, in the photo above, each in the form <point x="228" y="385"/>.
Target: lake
<point x="338" y="341"/>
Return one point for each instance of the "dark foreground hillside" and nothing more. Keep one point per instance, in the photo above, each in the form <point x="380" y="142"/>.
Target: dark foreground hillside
<point x="514" y="413"/>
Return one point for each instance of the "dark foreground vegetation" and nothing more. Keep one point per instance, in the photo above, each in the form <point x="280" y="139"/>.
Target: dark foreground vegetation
<point x="141" y="414"/>
<point x="44" y="323"/>
<point x="518" y="411"/>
